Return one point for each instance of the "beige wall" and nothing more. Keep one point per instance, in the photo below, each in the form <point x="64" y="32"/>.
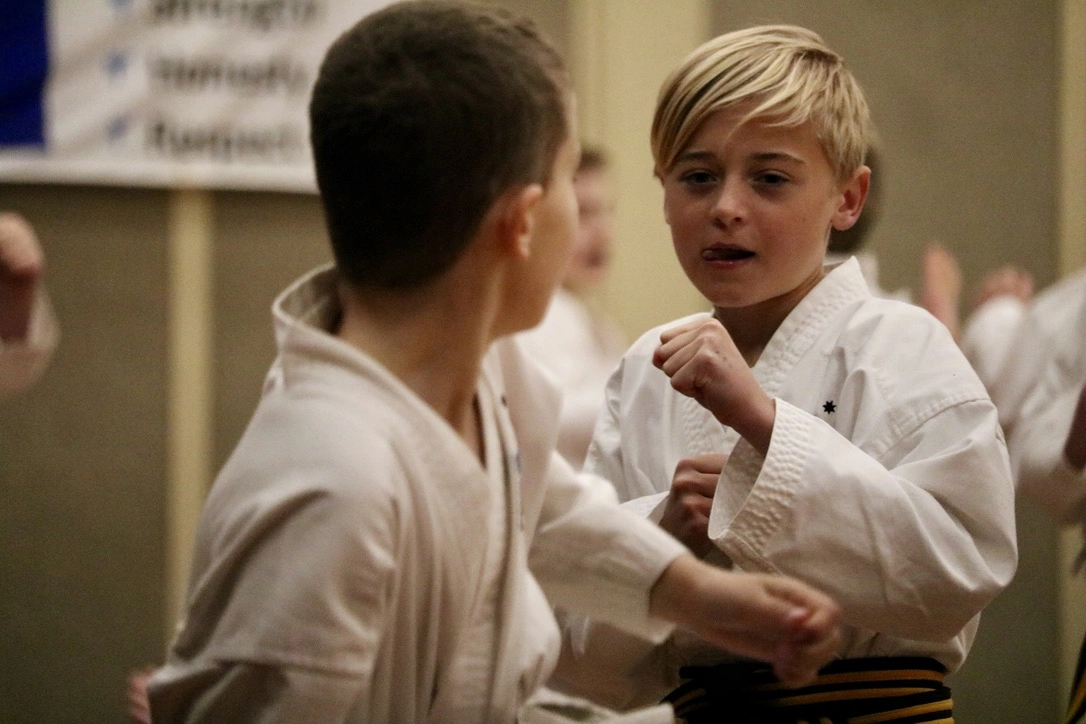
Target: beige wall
<point x="85" y="459"/>
<point x="82" y="463"/>
<point x="620" y="54"/>
<point x="1072" y="238"/>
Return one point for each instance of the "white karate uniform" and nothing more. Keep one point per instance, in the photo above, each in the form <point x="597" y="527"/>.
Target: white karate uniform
<point x="581" y="348"/>
<point x="987" y="335"/>
<point x="23" y="361"/>
<point x="1040" y="433"/>
<point x="886" y="482"/>
<point x="869" y="268"/>
<point x="355" y="561"/>
<point x="1018" y="342"/>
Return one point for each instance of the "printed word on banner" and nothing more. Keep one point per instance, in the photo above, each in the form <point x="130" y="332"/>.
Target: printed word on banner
<point x="200" y="93"/>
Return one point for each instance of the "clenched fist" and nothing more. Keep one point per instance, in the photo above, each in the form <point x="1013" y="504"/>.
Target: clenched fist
<point x="775" y="619"/>
<point x="703" y="363"/>
<point x="690" y="501"/>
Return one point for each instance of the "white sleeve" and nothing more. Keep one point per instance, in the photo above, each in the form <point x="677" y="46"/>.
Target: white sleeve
<point x="987" y="336"/>
<point x="22" y="362"/>
<point x="249" y="693"/>
<point x="604" y="459"/>
<point x="593" y="557"/>
<point x="915" y="550"/>
<point x="1020" y="370"/>
<point x="287" y="622"/>
<point x="609" y="657"/>
<point x="1041" y="470"/>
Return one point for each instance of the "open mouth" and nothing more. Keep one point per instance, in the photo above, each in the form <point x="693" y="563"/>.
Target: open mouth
<point x="726" y="253"/>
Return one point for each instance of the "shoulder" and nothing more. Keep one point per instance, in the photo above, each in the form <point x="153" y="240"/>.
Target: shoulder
<point x="317" y="447"/>
<point x="878" y="315"/>
<point x="907" y="351"/>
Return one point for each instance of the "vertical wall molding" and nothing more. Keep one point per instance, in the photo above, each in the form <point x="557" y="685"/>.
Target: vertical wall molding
<point x="1072" y="223"/>
<point x="620" y="52"/>
<point x="190" y="411"/>
<point x="1072" y="256"/>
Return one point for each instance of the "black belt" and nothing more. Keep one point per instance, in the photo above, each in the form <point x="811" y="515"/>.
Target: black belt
<point x="878" y="690"/>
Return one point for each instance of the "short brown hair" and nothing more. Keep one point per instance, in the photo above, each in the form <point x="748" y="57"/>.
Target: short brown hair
<point x="422" y="115"/>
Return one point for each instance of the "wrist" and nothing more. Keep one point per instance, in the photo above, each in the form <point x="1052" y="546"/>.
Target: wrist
<point x="756" y="426"/>
<point x="674" y="593"/>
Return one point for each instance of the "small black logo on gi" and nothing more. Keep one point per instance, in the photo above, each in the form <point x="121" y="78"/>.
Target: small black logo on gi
<point x="829" y="407"/>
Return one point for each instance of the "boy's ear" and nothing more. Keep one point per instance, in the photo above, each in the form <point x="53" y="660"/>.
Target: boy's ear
<point x="518" y="219"/>
<point x="851" y="197"/>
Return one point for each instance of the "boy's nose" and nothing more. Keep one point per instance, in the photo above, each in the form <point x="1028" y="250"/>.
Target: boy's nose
<point x="728" y="209"/>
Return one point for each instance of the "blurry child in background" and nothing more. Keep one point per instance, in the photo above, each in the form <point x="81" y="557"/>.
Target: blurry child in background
<point x="577" y="341"/>
<point x="1048" y="441"/>
<point x="940" y="283"/>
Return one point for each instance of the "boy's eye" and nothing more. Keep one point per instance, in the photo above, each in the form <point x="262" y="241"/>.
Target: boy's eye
<point x="697" y="177"/>
<point x="771" y="178"/>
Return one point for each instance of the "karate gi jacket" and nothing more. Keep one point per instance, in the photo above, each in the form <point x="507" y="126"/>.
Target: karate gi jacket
<point x="581" y="348"/>
<point x="886" y="483"/>
<point x="339" y="553"/>
<point x="1010" y="343"/>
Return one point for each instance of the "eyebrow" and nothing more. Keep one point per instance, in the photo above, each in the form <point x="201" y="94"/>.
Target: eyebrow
<point x="766" y="157"/>
<point x="776" y="156"/>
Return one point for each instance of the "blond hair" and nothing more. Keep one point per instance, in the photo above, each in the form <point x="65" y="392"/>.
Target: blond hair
<point x="786" y="74"/>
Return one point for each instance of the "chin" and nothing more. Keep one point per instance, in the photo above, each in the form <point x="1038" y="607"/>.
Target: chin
<point x="734" y="301"/>
<point x="526" y="321"/>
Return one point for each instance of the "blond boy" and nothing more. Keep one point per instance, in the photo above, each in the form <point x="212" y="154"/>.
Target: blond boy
<point x="803" y="426"/>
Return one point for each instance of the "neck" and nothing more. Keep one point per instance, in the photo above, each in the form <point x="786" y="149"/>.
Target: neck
<point x="752" y="327"/>
<point x="433" y="339"/>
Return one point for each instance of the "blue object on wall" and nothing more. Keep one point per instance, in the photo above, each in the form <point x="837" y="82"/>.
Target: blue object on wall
<point x="24" y="67"/>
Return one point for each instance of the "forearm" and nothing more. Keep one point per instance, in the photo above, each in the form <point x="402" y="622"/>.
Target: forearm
<point x="756" y="424"/>
<point x="593" y="557"/>
<point x="817" y="491"/>
<point x="23" y="360"/>
<point x="675" y="594"/>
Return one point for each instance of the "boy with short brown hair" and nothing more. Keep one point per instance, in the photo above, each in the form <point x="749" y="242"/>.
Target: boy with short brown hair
<point x="388" y="538"/>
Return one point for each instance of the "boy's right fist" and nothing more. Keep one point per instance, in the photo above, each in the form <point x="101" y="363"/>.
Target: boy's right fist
<point x="771" y="618"/>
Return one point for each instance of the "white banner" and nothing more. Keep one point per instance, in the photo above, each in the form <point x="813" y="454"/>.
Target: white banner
<point x="190" y="93"/>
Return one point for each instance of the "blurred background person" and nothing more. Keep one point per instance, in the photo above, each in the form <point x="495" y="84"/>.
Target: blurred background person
<point x="28" y="331"/>
<point x="577" y="341"/>
<point x="999" y="307"/>
<point x="941" y="277"/>
<point x="1048" y="439"/>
